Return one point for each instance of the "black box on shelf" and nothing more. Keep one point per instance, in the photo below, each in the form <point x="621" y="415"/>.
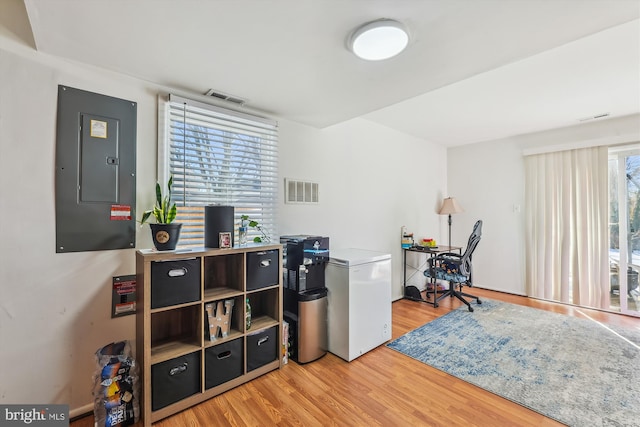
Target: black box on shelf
<point x="223" y="363"/>
<point x="262" y="269"/>
<point x="175" y="282"/>
<point x="174" y="380"/>
<point x="262" y="347"/>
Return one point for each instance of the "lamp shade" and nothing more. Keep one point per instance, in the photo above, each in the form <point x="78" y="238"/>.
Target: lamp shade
<point x="450" y="206"/>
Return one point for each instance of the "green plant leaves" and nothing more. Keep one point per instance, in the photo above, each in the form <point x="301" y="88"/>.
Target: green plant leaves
<point x="255" y="224"/>
<point x="163" y="211"/>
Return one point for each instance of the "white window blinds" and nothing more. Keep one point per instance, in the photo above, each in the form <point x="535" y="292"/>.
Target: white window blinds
<point x="219" y="156"/>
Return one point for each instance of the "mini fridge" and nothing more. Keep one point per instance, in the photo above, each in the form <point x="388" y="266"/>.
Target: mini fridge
<point x="358" y="282"/>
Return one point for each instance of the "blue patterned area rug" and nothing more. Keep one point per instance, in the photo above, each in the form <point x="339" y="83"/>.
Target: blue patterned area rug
<point x="574" y="370"/>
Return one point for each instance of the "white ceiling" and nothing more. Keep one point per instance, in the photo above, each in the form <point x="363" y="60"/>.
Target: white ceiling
<point x="474" y="70"/>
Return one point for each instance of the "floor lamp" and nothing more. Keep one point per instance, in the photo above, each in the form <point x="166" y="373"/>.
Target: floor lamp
<point x="450" y="206"/>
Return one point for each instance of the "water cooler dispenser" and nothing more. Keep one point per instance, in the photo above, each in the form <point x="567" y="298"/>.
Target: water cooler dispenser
<point x="305" y="295"/>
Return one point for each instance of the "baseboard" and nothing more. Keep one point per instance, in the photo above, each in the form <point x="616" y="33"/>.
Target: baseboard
<point x="81" y="411"/>
<point x="489" y="288"/>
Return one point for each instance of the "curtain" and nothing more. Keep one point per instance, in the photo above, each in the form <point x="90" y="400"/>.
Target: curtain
<point x="567" y="248"/>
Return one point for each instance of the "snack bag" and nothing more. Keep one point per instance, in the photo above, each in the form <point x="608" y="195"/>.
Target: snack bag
<point x="115" y="386"/>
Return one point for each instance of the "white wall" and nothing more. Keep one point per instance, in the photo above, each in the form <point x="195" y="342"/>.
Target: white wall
<point x="55" y="308"/>
<point x="488" y="180"/>
<point x="372" y="180"/>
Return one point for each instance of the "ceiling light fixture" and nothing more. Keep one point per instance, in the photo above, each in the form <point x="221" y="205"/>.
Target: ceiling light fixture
<point x="380" y="39"/>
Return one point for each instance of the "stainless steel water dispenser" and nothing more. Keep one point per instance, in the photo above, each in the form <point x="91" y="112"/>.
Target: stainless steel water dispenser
<point x="305" y="295"/>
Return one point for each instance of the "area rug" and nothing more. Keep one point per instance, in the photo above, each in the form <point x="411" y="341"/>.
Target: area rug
<point x="574" y="370"/>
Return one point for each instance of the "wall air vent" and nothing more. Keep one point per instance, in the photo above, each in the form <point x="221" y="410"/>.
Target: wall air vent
<point x="225" y="97"/>
<point x="296" y="191"/>
<point x="597" y="116"/>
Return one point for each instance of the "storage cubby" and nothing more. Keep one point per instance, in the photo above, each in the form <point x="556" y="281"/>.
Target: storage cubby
<point x="223" y="274"/>
<point x="174" y="332"/>
<point x="223" y="362"/>
<point x="262" y="347"/>
<point x="262" y="269"/>
<point x="181" y="365"/>
<point x="236" y="321"/>
<point x="175" y="282"/>
<point x="175" y="379"/>
<point x="265" y="308"/>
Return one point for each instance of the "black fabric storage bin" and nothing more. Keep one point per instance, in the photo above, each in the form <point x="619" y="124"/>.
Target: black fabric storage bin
<point x="174" y="380"/>
<point x="262" y="348"/>
<point x="222" y="363"/>
<point x="262" y="269"/>
<point x="175" y="282"/>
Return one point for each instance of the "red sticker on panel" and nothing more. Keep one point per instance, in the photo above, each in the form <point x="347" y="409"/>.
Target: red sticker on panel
<point x="120" y="213"/>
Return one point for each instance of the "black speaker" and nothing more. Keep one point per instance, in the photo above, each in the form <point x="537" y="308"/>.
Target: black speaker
<point x="217" y="219"/>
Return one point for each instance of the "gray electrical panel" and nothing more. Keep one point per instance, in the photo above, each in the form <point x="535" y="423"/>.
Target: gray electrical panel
<point x="95" y="172"/>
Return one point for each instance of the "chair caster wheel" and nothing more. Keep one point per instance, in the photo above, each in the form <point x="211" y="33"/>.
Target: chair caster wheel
<point x="471" y="309"/>
<point x="479" y="302"/>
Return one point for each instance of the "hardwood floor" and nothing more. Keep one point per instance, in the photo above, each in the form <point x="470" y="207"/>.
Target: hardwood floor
<point x="380" y="388"/>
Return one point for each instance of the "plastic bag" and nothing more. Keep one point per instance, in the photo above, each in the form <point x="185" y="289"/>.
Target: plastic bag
<point x="115" y="390"/>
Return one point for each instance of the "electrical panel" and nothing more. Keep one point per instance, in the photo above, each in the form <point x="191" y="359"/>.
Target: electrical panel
<point x="95" y="172"/>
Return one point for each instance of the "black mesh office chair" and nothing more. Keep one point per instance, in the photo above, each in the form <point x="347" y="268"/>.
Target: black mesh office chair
<point x="456" y="269"/>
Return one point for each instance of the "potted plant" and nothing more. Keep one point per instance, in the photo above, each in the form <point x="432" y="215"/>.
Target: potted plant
<point x="246" y="221"/>
<point x="165" y="232"/>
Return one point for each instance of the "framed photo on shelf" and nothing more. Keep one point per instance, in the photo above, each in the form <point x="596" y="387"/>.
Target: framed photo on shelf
<point x="225" y="240"/>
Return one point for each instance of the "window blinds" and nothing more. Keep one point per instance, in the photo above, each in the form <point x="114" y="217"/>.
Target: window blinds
<point x="220" y="156"/>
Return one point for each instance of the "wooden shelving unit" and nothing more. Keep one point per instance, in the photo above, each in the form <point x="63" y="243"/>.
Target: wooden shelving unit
<point x="179" y="332"/>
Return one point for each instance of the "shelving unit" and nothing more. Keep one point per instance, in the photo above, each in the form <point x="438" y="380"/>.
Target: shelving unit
<point x="180" y="363"/>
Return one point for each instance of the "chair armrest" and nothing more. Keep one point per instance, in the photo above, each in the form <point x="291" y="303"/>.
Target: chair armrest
<point x="449" y="255"/>
<point x="446" y="256"/>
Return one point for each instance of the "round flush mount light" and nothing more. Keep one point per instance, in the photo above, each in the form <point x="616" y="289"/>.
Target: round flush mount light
<point x="377" y="40"/>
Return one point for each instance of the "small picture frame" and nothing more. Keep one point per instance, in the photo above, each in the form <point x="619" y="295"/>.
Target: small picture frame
<point x="225" y="240"/>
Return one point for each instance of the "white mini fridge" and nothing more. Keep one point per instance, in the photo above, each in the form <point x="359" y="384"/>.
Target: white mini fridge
<point x="358" y="282"/>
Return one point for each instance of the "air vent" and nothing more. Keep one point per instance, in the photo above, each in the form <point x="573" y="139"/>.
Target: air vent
<point x="225" y="97"/>
<point x="297" y="191"/>
<point x="597" y="116"/>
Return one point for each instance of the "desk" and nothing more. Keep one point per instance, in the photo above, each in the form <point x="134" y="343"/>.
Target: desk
<point x="414" y="293"/>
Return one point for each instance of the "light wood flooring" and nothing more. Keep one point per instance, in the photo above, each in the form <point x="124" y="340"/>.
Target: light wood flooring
<point x="380" y="388"/>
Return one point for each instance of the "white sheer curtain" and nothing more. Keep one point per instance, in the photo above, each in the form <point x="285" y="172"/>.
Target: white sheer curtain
<point x="567" y="248"/>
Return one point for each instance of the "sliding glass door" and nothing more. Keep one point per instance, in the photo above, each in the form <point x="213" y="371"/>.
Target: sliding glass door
<point x="624" y="230"/>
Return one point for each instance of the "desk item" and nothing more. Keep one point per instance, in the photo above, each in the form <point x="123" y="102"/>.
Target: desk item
<point x="430" y="243"/>
<point x="359" y="306"/>
<point x="456" y="269"/>
<point x="406" y="238"/>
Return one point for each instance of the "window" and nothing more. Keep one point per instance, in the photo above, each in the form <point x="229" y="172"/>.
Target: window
<point x="624" y="228"/>
<point x="218" y="156"/>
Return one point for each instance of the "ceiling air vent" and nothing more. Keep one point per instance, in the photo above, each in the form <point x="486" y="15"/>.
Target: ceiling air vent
<point x="296" y="191"/>
<point x="225" y="97"/>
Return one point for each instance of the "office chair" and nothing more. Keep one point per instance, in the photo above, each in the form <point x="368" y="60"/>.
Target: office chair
<point x="456" y="269"/>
